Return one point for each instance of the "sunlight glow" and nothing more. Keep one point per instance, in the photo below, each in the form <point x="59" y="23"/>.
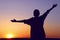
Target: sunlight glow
<point x="9" y="36"/>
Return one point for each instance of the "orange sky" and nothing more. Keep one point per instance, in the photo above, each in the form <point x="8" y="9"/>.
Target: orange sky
<point x="23" y="9"/>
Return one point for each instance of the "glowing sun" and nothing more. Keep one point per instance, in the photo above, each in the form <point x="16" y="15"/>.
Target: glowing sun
<point x="9" y="36"/>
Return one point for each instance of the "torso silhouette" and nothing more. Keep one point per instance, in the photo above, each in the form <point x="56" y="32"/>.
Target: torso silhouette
<point x="36" y="23"/>
<point x="37" y="30"/>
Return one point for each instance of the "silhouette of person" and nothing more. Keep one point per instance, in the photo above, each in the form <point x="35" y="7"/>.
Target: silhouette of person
<point x="36" y="23"/>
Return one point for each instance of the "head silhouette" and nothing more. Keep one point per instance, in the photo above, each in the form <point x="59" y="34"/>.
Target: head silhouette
<point x="36" y="13"/>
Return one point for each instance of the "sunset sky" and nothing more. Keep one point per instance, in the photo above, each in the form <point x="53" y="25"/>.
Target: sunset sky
<point x="23" y="9"/>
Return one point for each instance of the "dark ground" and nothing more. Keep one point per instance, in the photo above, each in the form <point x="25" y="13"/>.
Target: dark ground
<point x="28" y="39"/>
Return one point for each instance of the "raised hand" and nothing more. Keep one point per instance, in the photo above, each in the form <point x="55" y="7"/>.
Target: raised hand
<point x="14" y="20"/>
<point x="54" y="5"/>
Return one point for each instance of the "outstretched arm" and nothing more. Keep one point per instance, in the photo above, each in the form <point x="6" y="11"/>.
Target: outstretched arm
<point x="14" y="20"/>
<point x="47" y="12"/>
<point x="52" y="7"/>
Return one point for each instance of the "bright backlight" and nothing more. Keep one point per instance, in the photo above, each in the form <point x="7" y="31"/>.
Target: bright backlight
<point x="9" y="36"/>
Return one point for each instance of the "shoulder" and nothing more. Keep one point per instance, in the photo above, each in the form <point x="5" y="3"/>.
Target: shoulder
<point x="28" y="19"/>
<point x="41" y="16"/>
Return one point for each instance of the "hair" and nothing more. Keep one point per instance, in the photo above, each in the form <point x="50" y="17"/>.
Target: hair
<point x="36" y="13"/>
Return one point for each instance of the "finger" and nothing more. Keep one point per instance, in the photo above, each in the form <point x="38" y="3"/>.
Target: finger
<point x="11" y="20"/>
